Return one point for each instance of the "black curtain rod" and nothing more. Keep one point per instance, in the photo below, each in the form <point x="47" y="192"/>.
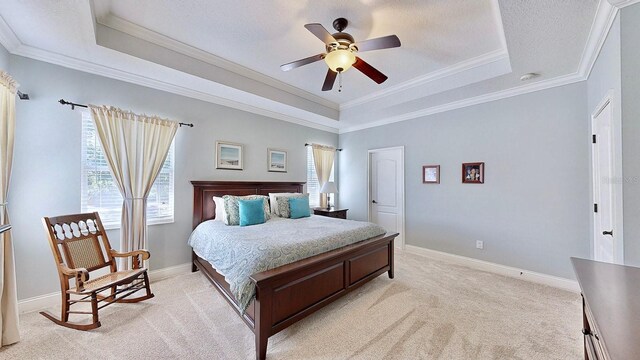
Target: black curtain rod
<point x="307" y="144"/>
<point x="74" y="105"/>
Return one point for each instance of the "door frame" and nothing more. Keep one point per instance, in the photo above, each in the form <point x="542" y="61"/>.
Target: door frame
<point x="618" y="180"/>
<point x="401" y="182"/>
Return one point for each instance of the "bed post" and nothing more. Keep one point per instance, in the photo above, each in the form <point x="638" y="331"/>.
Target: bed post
<point x="391" y="250"/>
<point x="262" y="324"/>
<point x="194" y="268"/>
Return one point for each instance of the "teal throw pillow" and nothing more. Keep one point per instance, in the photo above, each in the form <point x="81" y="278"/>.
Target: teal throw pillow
<point x="251" y="212"/>
<point x="299" y="207"/>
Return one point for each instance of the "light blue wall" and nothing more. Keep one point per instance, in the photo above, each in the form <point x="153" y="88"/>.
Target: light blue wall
<point x="533" y="210"/>
<point x="630" y="59"/>
<point x="606" y="73"/>
<point x="46" y="172"/>
<point x="4" y="59"/>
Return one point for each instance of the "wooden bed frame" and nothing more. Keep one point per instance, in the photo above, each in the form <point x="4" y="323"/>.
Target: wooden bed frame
<point x="289" y="293"/>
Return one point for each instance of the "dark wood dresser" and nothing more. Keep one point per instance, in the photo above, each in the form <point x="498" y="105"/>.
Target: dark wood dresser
<point x="331" y="212"/>
<point x="611" y="309"/>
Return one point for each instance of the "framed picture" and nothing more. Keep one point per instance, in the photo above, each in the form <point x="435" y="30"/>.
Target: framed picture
<point x="228" y="155"/>
<point x="276" y="160"/>
<point x="473" y="173"/>
<point x="431" y="174"/>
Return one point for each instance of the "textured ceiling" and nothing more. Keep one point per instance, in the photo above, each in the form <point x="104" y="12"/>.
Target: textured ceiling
<point x="262" y="35"/>
<point x="544" y="36"/>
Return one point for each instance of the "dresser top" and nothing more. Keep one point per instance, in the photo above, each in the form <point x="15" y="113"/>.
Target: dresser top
<point x="612" y="293"/>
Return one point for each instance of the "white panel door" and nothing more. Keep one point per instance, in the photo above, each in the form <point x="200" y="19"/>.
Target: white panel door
<point x="386" y="190"/>
<point x="604" y="214"/>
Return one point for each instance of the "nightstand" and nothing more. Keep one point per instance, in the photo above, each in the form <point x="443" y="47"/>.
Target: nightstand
<point x="331" y="212"/>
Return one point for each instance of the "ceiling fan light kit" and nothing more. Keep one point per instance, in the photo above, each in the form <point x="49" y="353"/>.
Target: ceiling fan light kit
<point x="341" y="50"/>
<point x="340" y="60"/>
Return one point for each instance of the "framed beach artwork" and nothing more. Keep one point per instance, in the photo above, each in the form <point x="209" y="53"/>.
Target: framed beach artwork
<point x="473" y="173"/>
<point x="431" y="174"/>
<point x="276" y="160"/>
<point x="228" y="155"/>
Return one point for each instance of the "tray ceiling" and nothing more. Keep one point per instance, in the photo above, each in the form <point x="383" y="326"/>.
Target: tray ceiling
<point x="229" y="52"/>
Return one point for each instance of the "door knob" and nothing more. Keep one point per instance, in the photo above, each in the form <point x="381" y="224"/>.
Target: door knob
<point x="610" y="233"/>
<point x="373" y="201"/>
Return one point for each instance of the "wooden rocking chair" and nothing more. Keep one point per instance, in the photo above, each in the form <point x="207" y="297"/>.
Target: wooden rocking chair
<point x="86" y="248"/>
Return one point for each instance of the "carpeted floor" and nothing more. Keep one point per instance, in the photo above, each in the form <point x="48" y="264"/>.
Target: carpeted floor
<point x="431" y="310"/>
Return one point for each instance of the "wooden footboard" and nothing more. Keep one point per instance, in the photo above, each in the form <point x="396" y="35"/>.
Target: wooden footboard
<point x="291" y="292"/>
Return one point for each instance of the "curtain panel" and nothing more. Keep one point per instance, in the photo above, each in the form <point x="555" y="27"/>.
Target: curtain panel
<point x="323" y="157"/>
<point x="8" y="292"/>
<point x="135" y="147"/>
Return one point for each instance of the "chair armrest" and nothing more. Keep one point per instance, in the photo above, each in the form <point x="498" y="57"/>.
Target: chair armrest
<point x="80" y="274"/>
<point x="145" y="254"/>
<point x="134" y="254"/>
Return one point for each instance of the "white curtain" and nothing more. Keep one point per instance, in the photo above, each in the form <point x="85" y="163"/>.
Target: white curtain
<point x="323" y="160"/>
<point x="8" y="293"/>
<point x="135" y="147"/>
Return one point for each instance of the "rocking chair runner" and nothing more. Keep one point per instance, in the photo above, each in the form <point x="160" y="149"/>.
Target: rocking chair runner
<point x="86" y="248"/>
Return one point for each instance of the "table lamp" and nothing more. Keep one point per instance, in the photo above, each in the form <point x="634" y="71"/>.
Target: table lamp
<point x="329" y="188"/>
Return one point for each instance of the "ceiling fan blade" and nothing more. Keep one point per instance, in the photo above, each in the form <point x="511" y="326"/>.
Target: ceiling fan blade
<point x="370" y="71"/>
<point x="329" y="80"/>
<point x="301" y="62"/>
<point x="321" y="33"/>
<point x="384" y="42"/>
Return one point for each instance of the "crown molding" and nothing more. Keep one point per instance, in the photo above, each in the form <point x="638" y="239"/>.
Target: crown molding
<point x="605" y="16"/>
<point x="153" y="37"/>
<point x="97" y="69"/>
<point x="602" y="22"/>
<point x="498" y="95"/>
<point x="467" y="65"/>
<point x="622" y="3"/>
<point x="8" y="38"/>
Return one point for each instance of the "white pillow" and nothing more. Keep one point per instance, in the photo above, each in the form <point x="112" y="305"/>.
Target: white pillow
<point x="273" y="204"/>
<point x="220" y="210"/>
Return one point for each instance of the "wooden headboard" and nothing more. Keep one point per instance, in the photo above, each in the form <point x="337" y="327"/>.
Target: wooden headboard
<point x="203" y="192"/>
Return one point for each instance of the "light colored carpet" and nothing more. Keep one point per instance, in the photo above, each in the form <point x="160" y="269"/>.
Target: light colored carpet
<point x="431" y="310"/>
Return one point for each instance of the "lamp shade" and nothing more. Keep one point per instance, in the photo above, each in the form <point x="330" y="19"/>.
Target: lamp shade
<point x="340" y="60"/>
<point x="329" y="188"/>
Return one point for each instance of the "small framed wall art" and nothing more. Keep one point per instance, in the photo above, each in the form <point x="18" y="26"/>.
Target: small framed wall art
<point x="473" y="173"/>
<point x="431" y="174"/>
<point x="228" y="155"/>
<point x="276" y="160"/>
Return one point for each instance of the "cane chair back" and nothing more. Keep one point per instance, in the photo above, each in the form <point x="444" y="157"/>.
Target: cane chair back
<point x="79" y="241"/>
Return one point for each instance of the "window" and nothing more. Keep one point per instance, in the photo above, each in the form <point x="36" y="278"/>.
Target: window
<point x="100" y="193"/>
<point x="313" y="187"/>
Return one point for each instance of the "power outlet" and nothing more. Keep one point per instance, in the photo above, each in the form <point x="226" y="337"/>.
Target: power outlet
<point x="479" y="244"/>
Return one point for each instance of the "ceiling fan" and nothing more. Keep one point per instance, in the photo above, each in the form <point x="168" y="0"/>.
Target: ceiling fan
<point x="341" y="51"/>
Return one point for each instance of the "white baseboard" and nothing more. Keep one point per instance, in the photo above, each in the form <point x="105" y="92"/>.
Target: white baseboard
<point x="38" y="303"/>
<point x="527" y="275"/>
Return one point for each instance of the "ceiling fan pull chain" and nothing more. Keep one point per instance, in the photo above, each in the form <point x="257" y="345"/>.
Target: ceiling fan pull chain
<point x="340" y="81"/>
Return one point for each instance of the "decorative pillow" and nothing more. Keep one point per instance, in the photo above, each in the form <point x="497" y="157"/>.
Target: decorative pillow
<point x="299" y="207"/>
<point x="221" y="215"/>
<point x="274" y="203"/>
<point x="233" y="213"/>
<point x="283" y="203"/>
<point x="251" y="212"/>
